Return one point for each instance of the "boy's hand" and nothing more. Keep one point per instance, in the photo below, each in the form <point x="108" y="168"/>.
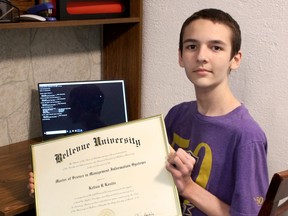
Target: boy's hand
<point x="30" y="185"/>
<point x="180" y="164"/>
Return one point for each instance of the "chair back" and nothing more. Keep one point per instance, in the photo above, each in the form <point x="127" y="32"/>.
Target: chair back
<point x="277" y="191"/>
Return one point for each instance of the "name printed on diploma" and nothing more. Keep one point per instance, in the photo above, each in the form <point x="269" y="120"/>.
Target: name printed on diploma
<point x="101" y="185"/>
<point x="97" y="141"/>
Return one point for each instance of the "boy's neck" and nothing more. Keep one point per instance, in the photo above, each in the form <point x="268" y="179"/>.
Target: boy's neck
<point x="216" y="103"/>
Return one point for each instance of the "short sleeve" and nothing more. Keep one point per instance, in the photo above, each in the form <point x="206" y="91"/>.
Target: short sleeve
<point x="251" y="179"/>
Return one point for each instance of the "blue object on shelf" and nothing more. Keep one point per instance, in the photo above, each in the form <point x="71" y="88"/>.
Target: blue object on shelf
<point x="44" y="7"/>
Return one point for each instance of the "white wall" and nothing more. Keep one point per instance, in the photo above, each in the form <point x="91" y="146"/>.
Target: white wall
<point x="261" y="82"/>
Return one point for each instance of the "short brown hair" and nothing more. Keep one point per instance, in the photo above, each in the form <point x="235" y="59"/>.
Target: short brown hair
<point x="218" y="16"/>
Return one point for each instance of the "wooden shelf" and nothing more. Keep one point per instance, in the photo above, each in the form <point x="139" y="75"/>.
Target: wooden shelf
<point x="23" y="25"/>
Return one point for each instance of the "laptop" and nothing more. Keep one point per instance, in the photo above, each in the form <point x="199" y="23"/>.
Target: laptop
<point x="75" y="107"/>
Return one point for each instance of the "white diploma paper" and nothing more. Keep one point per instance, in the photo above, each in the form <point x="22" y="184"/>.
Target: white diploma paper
<point x="113" y="171"/>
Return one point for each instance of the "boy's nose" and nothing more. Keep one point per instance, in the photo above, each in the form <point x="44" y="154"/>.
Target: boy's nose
<point x="202" y="54"/>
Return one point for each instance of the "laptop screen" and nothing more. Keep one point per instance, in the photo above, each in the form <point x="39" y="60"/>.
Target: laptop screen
<point x="74" y="107"/>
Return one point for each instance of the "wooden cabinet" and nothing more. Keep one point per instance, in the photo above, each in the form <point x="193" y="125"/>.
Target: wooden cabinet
<point x="121" y="53"/>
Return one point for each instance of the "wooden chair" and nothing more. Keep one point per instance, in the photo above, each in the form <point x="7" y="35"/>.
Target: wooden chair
<point x="278" y="190"/>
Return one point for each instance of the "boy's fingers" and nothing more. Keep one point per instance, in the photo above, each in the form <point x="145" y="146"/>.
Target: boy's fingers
<point x="171" y="149"/>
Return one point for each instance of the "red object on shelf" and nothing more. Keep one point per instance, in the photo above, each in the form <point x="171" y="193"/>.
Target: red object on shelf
<point x="92" y="9"/>
<point x="74" y="8"/>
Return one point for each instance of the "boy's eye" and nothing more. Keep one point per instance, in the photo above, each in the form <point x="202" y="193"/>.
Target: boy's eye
<point x="217" y="48"/>
<point x="191" y="47"/>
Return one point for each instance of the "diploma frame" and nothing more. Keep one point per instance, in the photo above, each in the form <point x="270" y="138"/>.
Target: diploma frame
<point x="117" y="170"/>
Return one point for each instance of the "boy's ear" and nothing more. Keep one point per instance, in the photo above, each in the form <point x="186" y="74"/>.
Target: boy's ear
<point x="236" y="60"/>
<point x="180" y="61"/>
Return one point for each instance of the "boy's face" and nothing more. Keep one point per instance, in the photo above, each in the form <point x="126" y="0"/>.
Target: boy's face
<point x="206" y="54"/>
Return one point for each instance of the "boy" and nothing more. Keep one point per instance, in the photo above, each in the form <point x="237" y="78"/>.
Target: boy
<point x="227" y="174"/>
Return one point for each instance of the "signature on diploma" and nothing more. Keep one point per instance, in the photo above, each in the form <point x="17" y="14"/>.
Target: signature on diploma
<point x="145" y="214"/>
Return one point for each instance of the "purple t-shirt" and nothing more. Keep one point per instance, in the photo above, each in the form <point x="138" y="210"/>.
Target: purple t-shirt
<point x="231" y="151"/>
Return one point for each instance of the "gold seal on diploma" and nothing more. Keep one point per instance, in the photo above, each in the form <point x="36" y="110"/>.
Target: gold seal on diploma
<point x="106" y="212"/>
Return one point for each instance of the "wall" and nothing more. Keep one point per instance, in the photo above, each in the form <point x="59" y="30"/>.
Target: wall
<point x="261" y="81"/>
<point x="30" y="56"/>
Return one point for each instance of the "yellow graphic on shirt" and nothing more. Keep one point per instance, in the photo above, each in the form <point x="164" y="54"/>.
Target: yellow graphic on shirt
<point x="205" y="168"/>
<point x="259" y="200"/>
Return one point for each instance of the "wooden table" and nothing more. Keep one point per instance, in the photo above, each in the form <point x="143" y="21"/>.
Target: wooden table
<point x="14" y="162"/>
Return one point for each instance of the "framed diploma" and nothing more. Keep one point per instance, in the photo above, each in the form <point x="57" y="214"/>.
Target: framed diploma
<point x="113" y="171"/>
